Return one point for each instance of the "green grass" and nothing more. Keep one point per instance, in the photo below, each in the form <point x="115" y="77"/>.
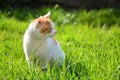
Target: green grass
<point x="90" y="40"/>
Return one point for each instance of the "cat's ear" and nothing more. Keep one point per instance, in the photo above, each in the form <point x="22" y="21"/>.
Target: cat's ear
<point x="47" y="15"/>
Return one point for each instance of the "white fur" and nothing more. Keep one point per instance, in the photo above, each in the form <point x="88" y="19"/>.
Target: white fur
<point x="42" y="46"/>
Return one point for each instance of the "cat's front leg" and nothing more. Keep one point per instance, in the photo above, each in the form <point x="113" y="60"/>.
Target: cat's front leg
<point x="43" y="64"/>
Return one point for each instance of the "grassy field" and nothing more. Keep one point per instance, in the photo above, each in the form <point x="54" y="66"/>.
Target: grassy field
<point x="90" y="40"/>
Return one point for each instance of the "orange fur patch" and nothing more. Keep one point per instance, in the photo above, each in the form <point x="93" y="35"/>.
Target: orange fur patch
<point x="46" y="22"/>
<point x="46" y="28"/>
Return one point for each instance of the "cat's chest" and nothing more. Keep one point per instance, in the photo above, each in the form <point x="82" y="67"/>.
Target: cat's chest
<point x="40" y="49"/>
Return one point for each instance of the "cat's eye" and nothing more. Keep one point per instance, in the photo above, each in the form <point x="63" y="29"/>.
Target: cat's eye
<point x="50" y="28"/>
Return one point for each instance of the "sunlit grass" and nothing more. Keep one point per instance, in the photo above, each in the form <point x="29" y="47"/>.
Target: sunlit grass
<point x="90" y="40"/>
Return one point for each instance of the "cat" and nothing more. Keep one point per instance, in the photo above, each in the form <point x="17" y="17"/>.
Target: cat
<point x="39" y="43"/>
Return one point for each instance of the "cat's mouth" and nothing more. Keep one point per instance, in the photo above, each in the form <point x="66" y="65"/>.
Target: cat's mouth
<point x="48" y="35"/>
<point x="52" y="35"/>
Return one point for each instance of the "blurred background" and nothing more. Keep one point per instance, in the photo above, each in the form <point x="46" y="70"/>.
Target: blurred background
<point x="97" y="13"/>
<point x="88" y="4"/>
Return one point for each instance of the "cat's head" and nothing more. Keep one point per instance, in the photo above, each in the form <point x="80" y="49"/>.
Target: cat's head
<point x="43" y="27"/>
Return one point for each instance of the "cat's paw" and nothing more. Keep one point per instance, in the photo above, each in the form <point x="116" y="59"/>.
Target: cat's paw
<point x="44" y="69"/>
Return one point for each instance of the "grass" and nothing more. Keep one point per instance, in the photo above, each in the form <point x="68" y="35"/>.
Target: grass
<point x="90" y="40"/>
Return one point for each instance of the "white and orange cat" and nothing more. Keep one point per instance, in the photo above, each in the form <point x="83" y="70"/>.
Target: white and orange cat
<point x="39" y="43"/>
